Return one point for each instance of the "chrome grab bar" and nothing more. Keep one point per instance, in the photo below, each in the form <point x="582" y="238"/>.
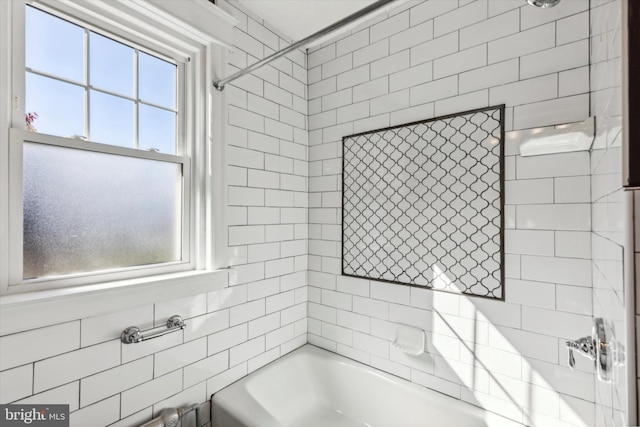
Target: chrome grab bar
<point x="133" y="334"/>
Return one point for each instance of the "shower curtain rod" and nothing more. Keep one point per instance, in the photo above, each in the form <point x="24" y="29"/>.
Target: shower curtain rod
<point x="221" y="83"/>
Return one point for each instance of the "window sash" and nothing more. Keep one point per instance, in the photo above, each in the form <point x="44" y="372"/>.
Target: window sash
<point x="181" y="70"/>
<point x="17" y="139"/>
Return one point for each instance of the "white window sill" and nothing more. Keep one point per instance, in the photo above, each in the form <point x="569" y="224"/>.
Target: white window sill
<point x="21" y="312"/>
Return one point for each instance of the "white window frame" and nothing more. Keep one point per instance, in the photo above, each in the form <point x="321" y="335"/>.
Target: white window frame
<point x="16" y="281"/>
<point x="199" y="36"/>
<point x="185" y="147"/>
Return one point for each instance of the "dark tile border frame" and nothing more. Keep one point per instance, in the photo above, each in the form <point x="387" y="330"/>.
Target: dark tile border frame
<point x="501" y="108"/>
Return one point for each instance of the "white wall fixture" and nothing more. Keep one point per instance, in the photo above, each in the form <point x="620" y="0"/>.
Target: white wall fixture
<point x="410" y="340"/>
<point x="574" y="137"/>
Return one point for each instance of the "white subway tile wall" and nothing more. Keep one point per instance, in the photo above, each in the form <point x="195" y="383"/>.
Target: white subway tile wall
<point x="440" y="57"/>
<point x="261" y="316"/>
<point x="607" y="197"/>
<point x="563" y="239"/>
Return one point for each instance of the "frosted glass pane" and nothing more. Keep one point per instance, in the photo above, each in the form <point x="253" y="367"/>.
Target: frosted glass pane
<point x="54" y="45"/>
<point x="111" y="65"/>
<point x="157" y="129"/>
<point x="59" y="105"/>
<point x="111" y="120"/>
<point x="87" y="211"/>
<point x="157" y="83"/>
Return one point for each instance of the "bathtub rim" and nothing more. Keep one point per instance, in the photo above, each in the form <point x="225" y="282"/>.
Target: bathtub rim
<point x="316" y="351"/>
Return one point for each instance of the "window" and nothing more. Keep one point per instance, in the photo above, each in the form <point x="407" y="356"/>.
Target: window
<point x="86" y="208"/>
<point x="106" y="164"/>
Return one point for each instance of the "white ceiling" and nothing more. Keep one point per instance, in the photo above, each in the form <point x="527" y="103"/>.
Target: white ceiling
<point x="301" y="18"/>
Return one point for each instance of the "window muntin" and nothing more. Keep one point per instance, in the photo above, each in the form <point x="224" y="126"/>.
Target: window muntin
<point x="119" y="95"/>
<point x="159" y="222"/>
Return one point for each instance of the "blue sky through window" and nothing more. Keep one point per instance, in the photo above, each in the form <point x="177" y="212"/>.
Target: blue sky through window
<point x="112" y="119"/>
<point x="112" y="65"/>
<point x="60" y="105"/>
<point x="105" y="82"/>
<point x="157" y="81"/>
<point x="54" y="46"/>
<point x="157" y="129"/>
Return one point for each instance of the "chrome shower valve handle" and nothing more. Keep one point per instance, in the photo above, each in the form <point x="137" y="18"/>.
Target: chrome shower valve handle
<point x="584" y="346"/>
<point x="601" y="347"/>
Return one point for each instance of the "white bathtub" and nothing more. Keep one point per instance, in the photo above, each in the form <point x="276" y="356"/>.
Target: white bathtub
<point x="311" y="387"/>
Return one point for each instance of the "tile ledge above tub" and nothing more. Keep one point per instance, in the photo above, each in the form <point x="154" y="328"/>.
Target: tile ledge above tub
<point x="21" y="312"/>
<point x="562" y="139"/>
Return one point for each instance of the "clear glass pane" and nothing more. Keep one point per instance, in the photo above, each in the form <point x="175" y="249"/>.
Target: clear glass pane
<point x="111" y="65"/>
<point x="54" y="45"/>
<point x="59" y="106"/>
<point x="111" y="120"/>
<point x="157" y="129"/>
<point x="157" y="81"/>
<point x="87" y="211"/>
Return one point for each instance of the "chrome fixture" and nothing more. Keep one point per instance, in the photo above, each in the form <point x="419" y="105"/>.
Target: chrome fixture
<point x="133" y="334"/>
<point x="170" y="417"/>
<point x="543" y="3"/>
<point x="219" y="84"/>
<point x="585" y="348"/>
<point x="600" y="348"/>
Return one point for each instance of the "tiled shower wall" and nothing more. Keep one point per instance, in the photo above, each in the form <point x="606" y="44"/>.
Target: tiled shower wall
<point x="259" y="317"/>
<point x="423" y="60"/>
<point x="426" y="59"/>
<point x="608" y="211"/>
